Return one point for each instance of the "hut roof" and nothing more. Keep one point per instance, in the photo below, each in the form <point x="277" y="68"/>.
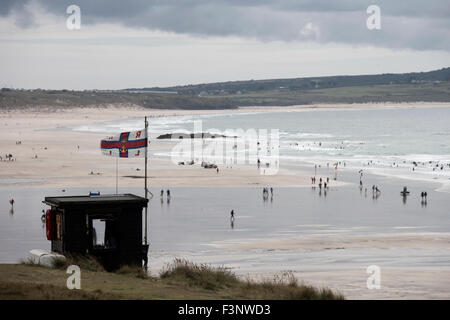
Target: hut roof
<point x="114" y="199"/>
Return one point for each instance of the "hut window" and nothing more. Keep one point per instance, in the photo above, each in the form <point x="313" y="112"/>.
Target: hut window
<point x="98" y="232"/>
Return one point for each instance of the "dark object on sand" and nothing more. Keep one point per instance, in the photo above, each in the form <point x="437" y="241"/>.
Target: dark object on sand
<point x="200" y="135"/>
<point x="405" y="192"/>
<point x="207" y="165"/>
<point x="71" y="226"/>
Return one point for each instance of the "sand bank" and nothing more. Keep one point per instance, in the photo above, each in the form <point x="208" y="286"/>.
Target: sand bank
<point x="323" y="241"/>
<point x="395" y="283"/>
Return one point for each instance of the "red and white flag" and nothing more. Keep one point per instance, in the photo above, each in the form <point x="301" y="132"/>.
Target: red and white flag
<point x="125" y="145"/>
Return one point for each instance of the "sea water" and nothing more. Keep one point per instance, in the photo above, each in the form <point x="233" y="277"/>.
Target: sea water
<point x="412" y="143"/>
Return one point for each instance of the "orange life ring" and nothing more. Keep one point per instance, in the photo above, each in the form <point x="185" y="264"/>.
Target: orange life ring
<point x="49" y="224"/>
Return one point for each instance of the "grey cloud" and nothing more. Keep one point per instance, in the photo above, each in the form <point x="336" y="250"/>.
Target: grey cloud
<point x="405" y="24"/>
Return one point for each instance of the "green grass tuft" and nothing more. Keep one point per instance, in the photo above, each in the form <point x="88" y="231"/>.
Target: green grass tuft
<point x="85" y="262"/>
<point x="200" y="275"/>
<point x="282" y="286"/>
<point x="134" y="271"/>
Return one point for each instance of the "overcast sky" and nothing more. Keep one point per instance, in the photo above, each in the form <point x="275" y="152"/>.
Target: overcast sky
<point x="146" y="43"/>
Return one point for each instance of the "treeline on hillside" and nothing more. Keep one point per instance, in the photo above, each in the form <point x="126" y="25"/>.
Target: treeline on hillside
<point x="240" y="87"/>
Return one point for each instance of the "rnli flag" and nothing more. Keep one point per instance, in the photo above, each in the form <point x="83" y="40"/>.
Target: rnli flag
<point x="125" y="145"/>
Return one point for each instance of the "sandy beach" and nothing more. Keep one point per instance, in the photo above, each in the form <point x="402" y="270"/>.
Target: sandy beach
<point x="50" y="155"/>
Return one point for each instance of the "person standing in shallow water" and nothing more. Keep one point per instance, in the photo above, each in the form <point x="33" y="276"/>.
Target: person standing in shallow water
<point x="232" y="215"/>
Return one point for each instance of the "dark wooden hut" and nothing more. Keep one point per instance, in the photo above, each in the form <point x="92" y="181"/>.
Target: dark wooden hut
<point x="108" y="227"/>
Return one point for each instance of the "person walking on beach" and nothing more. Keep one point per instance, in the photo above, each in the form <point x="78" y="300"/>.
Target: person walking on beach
<point x="271" y="191"/>
<point x="162" y="193"/>
<point x="12" y="202"/>
<point x="168" y="193"/>
<point x="232" y="214"/>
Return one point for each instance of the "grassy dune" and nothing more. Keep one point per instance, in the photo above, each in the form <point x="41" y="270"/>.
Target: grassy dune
<point x="60" y="99"/>
<point x="179" y="280"/>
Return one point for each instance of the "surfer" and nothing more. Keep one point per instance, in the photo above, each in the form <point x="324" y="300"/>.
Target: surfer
<point x="405" y="191"/>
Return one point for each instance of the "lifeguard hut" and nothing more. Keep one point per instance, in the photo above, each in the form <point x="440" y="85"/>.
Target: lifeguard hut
<point x="108" y="227"/>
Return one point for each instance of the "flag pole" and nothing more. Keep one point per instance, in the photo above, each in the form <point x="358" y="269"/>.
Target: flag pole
<point x="146" y="197"/>
<point x="117" y="175"/>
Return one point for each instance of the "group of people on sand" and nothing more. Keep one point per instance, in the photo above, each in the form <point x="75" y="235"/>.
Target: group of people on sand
<point x="162" y="196"/>
<point x="423" y="195"/>
<point x="167" y="192"/>
<point x="375" y="192"/>
<point x="324" y="182"/>
<point x="266" y="193"/>
<point x="8" y="157"/>
<point x="375" y="189"/>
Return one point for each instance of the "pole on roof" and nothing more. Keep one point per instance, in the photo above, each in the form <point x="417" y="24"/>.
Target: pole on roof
<point x="117" y="175"/>
<point x="146" y="197"/>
